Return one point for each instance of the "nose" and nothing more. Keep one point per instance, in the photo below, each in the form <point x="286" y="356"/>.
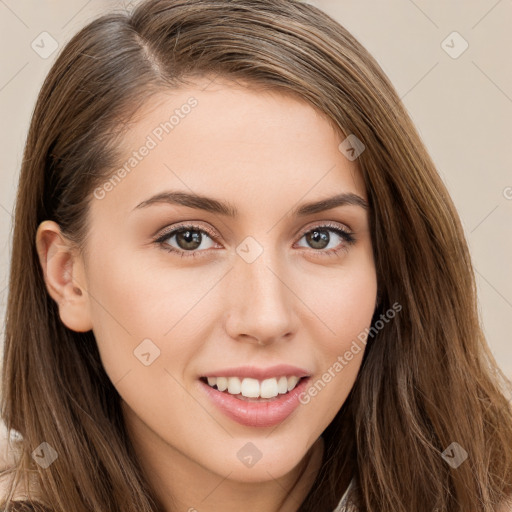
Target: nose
<point x="261" y="303"/>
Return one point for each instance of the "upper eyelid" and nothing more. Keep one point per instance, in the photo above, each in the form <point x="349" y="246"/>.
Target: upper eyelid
<point x="325" y="224"/>
<point x="172" y="231"/>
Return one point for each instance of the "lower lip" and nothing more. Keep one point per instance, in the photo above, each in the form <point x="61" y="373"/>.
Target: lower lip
<point x="255" y="414"/>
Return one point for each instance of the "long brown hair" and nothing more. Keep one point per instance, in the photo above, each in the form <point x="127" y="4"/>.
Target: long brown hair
<point x="428" y="378"/>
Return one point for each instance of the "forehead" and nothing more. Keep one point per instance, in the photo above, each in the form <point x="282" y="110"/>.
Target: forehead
<point x="218" y="138"/>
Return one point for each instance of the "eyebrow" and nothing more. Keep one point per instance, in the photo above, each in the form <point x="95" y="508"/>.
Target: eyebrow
<point x="214" y="206"/>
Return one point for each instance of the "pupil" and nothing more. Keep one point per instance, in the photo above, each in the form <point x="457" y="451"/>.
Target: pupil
<point x="318" y="238"/>
<point x="188" y="239"/>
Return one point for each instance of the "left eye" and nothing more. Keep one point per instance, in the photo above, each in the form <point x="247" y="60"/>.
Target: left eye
<point x="319" y="237"/>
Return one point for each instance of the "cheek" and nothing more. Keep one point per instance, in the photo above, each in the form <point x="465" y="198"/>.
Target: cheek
<point x="136" y="296"/>
<point x="133" y="301"/>
<point x="342" y="300"/>
<point x="343" y="307"/>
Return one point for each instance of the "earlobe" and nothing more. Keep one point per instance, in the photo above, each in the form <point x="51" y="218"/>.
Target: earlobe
<point x="64" y="276"/>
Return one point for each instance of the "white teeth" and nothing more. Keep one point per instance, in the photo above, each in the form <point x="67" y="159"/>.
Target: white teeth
<point x="250" y="388"/>
<point x="222" y="383"/>
<point x="292" y="382"/>
<point x="234" y="385"/>
<point x="269" y="388"/>
<point x="253" y="388"/>
<point x="282" y="385"/>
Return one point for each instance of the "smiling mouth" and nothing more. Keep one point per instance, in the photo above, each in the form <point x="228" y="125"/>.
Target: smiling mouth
<point x="253" y="390"/>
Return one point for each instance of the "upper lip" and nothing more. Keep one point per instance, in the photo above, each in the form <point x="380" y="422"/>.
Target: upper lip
<point x="280" y="370"/>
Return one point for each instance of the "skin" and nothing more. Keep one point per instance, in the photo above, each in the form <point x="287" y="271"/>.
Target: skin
<point x="264" y="153"/>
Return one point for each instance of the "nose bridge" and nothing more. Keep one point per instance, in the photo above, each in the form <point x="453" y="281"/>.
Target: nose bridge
<point x="261" y="303"/>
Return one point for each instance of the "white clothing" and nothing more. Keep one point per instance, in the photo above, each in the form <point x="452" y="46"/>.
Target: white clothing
<point x="342" y="505"/>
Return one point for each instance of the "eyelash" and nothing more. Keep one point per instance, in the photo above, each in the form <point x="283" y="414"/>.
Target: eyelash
<point x="346" y="235"/>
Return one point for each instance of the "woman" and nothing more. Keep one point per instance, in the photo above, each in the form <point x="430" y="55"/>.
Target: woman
<point x="238" y="282"/>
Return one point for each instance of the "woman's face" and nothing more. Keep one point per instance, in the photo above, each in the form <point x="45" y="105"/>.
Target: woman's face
<point x="260" y="287"/>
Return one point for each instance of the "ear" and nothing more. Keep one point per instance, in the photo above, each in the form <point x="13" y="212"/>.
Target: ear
<point x="64" y="275"/>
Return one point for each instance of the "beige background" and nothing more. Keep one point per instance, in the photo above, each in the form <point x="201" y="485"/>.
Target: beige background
<point x="462" y="107"/>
